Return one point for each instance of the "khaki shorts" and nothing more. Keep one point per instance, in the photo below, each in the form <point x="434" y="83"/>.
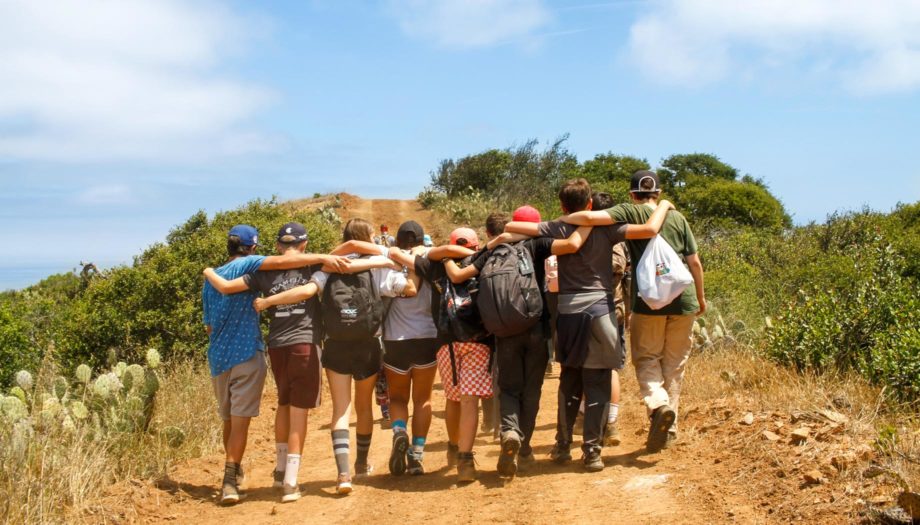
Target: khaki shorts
<point x="239" y="390"/>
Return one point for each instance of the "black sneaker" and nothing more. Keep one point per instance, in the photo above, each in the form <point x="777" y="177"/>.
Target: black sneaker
<point x="560" y="453"/>
<point x="507" y="460"/>
<point x="277" y="479"/>
<point x="592" y="461"/>
<point x="398" y="454"/>
<point x="416" y="467"/>
<point x="662" y="419"/>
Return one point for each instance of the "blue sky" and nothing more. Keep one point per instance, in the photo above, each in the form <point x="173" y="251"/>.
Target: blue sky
<point x="118" y="120"/>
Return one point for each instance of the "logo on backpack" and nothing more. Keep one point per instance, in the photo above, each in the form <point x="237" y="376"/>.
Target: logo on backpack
<point x="352" y="307"/>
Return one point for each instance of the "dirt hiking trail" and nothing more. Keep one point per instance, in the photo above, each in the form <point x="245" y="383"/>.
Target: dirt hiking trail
<point x="706" y="477"/>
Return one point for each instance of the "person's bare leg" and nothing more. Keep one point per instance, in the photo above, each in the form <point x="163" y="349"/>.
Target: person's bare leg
<point x="226" y="435"/>
<point x="422" y="385"/>
<point x="297" y="429"/>
<point x="364" y="429"/>
<point x="469" y="420"/>
<point x="236" y="444"/>
<point x="340" y="389"/>
<point x="452" y="409"/>
<point x="399" y="387"/>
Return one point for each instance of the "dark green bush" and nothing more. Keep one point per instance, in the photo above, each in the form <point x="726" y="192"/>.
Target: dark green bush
<point x="155" y="302"/>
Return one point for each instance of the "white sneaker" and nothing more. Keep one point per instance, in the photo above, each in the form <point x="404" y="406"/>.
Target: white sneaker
<point x="343" y="484"/>
<point x="291" y="494"/>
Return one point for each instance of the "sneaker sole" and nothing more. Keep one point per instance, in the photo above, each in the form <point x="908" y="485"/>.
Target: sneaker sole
<point x="344" y="488"/>
<point x="398" y="454"/>
<point x="290" y="498"/>
<point x="658" y="433"/>
<point x="507" y="466"/>
<point x="229" y="500"/>
<point x="594" y="467"/>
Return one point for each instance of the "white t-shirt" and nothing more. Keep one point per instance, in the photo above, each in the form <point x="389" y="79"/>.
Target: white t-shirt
<point x="410" y="317"/>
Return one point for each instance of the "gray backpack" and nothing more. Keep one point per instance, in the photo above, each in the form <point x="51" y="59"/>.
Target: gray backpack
<point x="509" y="299"/>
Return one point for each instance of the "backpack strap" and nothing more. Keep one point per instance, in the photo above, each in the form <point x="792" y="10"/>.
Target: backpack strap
<point x="453" y="362"/>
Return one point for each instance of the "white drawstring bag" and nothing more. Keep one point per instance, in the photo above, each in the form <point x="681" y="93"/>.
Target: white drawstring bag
<point x="661" y="275"/>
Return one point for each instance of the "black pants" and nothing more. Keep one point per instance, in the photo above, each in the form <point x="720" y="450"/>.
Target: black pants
<point x="521" y="364"/>
<point x="594" y="383"/>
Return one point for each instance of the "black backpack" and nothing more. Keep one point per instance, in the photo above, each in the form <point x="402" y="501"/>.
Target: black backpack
<point x="509" y="297"/>
<point x="459" y="316"/>
<point x="352" y="307"/>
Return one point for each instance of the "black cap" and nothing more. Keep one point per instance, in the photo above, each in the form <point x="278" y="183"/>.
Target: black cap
<point x="292" y="233"/>
<point x="410" y="234"/>
<point x="642" y="176"/>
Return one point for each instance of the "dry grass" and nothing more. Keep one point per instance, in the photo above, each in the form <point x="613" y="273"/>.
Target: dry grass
<point x="51" y="476"/>
<point x="724" y="384"/>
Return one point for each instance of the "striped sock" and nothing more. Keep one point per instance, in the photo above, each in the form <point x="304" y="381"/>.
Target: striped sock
<point x="364" y="445"/>
<point x="290" y="473"/>
<point x="281" y="450"/>
<point x="340" y="449"/>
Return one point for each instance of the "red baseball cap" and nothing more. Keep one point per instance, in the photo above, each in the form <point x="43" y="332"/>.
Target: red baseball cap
<point x="465" y="237"/>
<point x="526" y="214"/>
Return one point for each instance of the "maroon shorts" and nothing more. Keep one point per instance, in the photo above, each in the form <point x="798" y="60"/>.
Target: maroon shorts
<point x="298" y="374"/>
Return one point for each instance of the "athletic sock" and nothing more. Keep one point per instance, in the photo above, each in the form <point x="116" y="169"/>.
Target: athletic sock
<point x="399" y="425"/>
<point x="281" y="452"/>
<point x="340" y="449"/>
<point x="230" y="472"/>
<point x="613" y="413"/>
<point x="364" y="445"/>
<point x="291" y="469"/>
<point x="418" y="446"/>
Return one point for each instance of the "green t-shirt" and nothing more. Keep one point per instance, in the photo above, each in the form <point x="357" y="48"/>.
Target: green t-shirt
<point x="676" y="231"/>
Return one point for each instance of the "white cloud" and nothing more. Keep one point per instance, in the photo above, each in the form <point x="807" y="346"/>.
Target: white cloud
<point x="868" y="46"/>
<point x="462" y="24"/>
<point x="126" y="79"/>
<point x="105" y="194"/>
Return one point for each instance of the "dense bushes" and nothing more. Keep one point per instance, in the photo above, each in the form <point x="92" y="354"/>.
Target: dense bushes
<point x="155" y="302"/>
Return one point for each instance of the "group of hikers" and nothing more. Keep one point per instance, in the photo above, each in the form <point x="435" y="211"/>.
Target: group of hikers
<point x="484" y="316"/>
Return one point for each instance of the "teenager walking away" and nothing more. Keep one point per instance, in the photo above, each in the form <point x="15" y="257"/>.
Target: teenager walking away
<point x="235" y="352"/>
<point x="660" y="340"/>
<point x="521" y="349"/>
<point x="353" y="309"/>
<point x="588" y="343"/>
<point x="411" y="344"/>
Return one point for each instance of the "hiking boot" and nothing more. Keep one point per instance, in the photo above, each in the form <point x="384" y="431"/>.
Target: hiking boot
<point x="452" y="451"/>
<point x="277" y="479"/>
<point x="526" y="461"/>
<point x="362" y="470"/>
<point x="230" y="492"/>
<point x="662" y="419"/>
<point x="343" y="484"/>
<point x="560" y="453"/>
<point x="291" y="493"/>
<point x="398" y="454"/>
<point x="507" y="460"/>
<point x="592" y="461"/>
<point x="466" y="468"/>
<point x="611" y="434"/>
<point x="415" y="465"/>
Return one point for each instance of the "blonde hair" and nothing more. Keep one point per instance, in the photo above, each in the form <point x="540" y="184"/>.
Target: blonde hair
<point x="358" y="230"/>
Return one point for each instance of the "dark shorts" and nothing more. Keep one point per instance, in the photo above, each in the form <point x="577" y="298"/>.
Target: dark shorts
<point x="402" y="356"/>
<point x="359" y="359"/>
<point x="298" y="374"/>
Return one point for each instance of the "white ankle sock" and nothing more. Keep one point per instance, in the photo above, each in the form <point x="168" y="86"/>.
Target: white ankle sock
<point x="290" y="471"/>
<point x="613" y="413"/>
<point x="280" y="456"/>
